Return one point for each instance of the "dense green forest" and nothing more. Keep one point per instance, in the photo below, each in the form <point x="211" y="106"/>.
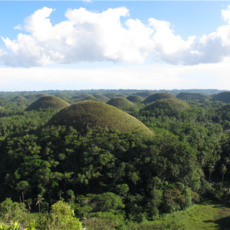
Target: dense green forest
<point x="118" y="158"/>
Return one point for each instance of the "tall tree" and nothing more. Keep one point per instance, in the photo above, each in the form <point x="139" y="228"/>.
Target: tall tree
<point x="39" y="201"/>
<point x="22" y="186"/>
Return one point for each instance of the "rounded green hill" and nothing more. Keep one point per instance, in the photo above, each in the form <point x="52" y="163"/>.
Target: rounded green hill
<point x="19" y="98"/>
<point x="89" y="98"/>
<point x="135" y="98"/>
<point x="224" y="96"/>
<point x="157" y="96"/>
<point x="30" y="96"/>
<point x="144" y="94"/>
<point x="80" y="96"/>
<point x="168" y="104"/>
<point x="101" y="97"/>
<point x="186" y="96"/>
<point x="92" y="114"/>
<point x="41" y="95"/>
<point x="47" y="102"/>
<point x="120" y="102"/>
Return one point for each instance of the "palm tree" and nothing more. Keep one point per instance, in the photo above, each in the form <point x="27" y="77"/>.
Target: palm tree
<point x="223" y="170"/>
<point x="211" y="170"/>
<point x="39" y="201"/>
<point x="29" y="203"/>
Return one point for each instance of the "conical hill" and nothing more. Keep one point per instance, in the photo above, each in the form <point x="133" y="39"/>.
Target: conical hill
<point x="19" y="98"/>
<point x="135" y="98"/>
<point x="92" y="114"/>
<point x="47" y="102"/>
<point x="168" y="104"/>
<point x="157" y="96"/>
<point x="101" y="97"/>
<point x="120" y="102"/>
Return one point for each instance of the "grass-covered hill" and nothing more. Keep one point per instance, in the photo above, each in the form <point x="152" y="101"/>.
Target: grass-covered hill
<point x="168" y="105"/>
<point x="224" y="96"/>
<point x="101" y="97"/>
<point x="30" y="96"/>
<point x="144" y="94"/>
<point x="19" y="98"/>
<point x="89" y="98"/>
<point x="80" y="96"/>
<point x="193" y="97"/>
<point x="157" y="96"/>
<point x="90" y="114"/>
<point x="47" y="102"/>
<point x="120" y="102"/>
<point x="1" y="107"/>
<point x="41" y="95"/>
<point x="135" y="98"/>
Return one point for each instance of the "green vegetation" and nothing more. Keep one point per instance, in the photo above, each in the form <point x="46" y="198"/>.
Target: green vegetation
<point x="144" y="94"/>
<point x="46" y="102"/>
<point x="89" y="98"/>
<point x="165" y="167"/>
<point x="224" y="96"/>
<point x="101" y="97"/>
<point x="157" y="96"/>
<point x="120" y="102"/>
<point x="135" y="98"/>
<point x="90" y="114"/>
<point x="193" y="97"/>
<point x="19" y="98"/>
<point x="167" y="106"/>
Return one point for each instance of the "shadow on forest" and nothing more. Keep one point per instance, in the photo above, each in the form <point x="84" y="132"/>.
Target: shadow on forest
<point x="223" y="223"/>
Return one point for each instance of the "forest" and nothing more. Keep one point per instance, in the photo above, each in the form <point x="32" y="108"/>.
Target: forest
<point x="114" y="159"/>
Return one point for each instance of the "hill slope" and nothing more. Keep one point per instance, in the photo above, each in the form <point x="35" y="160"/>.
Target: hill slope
<point x="157" y="96"/>
<point x="135" y="98"/>
<point x="47" y="102"/>
<point x="193" y="97"/>
<point x="120" y="102"/>
<point x="224" y="96"/>
<point x="168" y="105"/>
<point x="91" y="114"/>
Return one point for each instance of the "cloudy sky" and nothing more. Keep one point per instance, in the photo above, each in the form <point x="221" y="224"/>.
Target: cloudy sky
<point x="114" y="45"/>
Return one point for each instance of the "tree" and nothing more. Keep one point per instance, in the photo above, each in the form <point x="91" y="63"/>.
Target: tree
<point x="22" y="186"/>
<point x="39" y="201"/>
<point x="223" y="170"/>
<point x="211" y="170"/>
<point x="29" y="203"/>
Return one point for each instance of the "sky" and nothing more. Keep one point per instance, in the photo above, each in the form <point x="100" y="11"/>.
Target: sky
<point x="73" y="45"/>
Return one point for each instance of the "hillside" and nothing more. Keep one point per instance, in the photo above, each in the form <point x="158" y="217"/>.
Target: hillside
<point x="135" y="98"/>
<point x="47" y="102"/>
<point x="30" y="96"/>
<point x="157" y="96"/>
<point x="168" y="105"/>
<point x="185" y="96"/>
<point x="19" y="98"/>
<point x="144" y="94"/>
<point x="89" y="98"/>
<point x="120" y="102"/>
<point x="224" y="97"/>
<point x="96" y="114"/>
<point x="101" y="97"/>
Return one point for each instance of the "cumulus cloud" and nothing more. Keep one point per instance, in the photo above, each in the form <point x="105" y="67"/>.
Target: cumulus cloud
<point x="88" y="37"/>
<point x="18" y="27"/>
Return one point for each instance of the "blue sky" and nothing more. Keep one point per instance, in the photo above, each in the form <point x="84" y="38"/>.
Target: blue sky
<point x="114" y="44"/>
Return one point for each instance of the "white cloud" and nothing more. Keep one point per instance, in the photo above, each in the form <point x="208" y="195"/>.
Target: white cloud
<point x="18" y="27"/>
<point x="226" y="14"/>
<point x="88" y="37"/>
<point x="139" y="77"/>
